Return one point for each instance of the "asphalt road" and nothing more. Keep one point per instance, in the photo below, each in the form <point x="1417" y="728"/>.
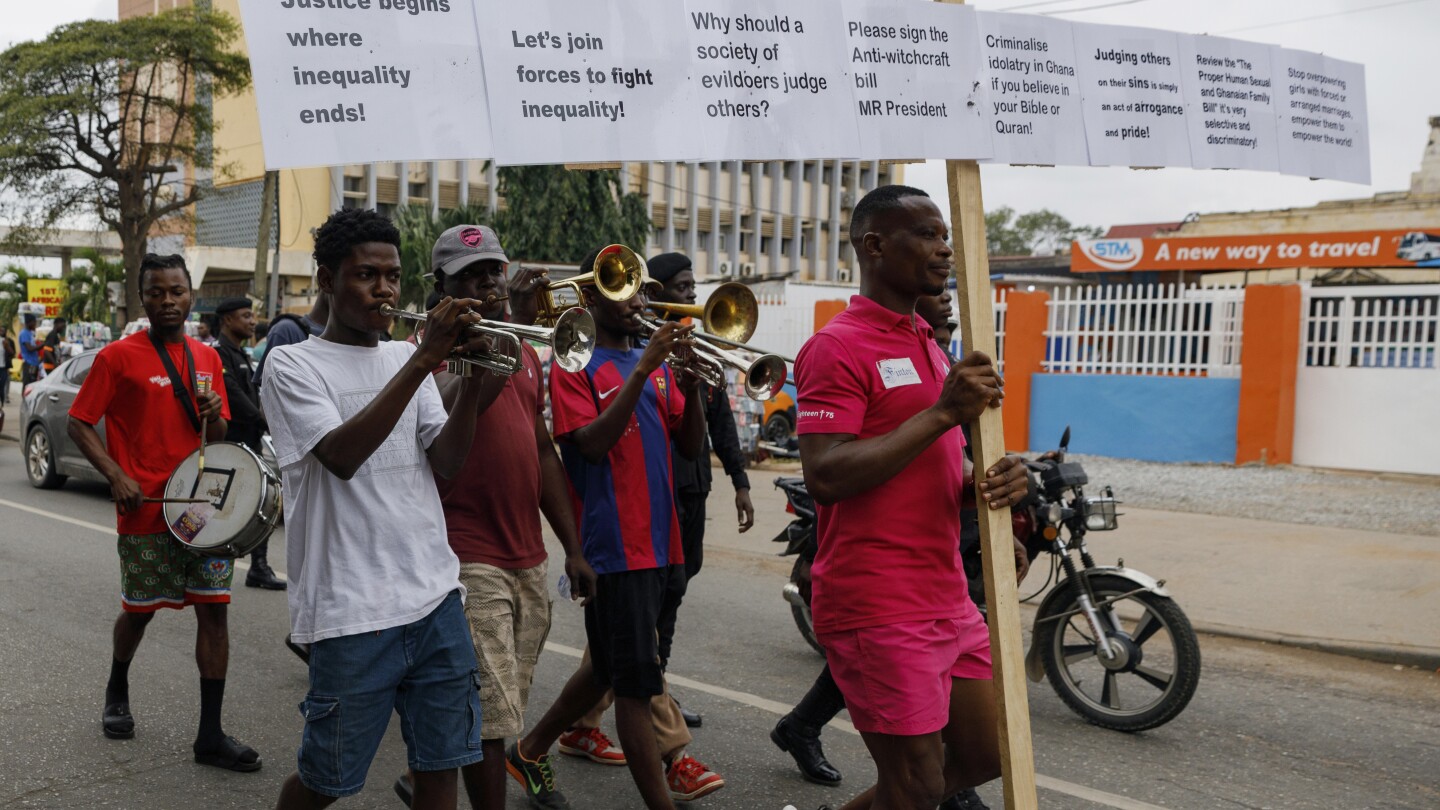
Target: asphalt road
<point x="1269" y="727"/>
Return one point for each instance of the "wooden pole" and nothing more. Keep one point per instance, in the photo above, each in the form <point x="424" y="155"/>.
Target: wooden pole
<point x="977" y="333"/>
<point x="268" y="193"/>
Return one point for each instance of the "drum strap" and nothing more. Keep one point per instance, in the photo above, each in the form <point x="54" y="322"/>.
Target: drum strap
<point x="177" y="383"/>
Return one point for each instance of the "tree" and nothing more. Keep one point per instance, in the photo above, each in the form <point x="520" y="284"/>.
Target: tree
<point x="12" y="292"/>
<point x="87" y="293"/>
<point x="553" y="214"/>
<point x="112" y="120"/>
<point x="1042" y="232"/>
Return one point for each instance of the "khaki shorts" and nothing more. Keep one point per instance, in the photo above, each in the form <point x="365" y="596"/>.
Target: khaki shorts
<point x="509" y="617"/>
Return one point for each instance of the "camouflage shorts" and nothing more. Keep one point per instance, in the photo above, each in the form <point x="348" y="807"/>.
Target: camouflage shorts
<point x="509" y="616"/>
<point x="156" y="571"/>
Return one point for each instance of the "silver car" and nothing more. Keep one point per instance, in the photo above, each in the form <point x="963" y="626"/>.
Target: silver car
<point x="50" y="456"/>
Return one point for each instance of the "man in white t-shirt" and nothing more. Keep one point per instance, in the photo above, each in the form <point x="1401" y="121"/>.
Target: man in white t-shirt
<point x="374" y="587"/>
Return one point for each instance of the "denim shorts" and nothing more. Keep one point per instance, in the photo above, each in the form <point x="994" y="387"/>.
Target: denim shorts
<point x="424" y="671"/>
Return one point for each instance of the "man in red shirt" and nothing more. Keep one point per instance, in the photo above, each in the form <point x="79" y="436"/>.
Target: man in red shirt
<point x="879" y="412"/>
<point x="616" y="421"/>
<point x="493" y="520"/>
<point x="148" y="388"/>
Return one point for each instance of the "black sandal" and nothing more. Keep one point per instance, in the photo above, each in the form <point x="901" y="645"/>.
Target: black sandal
<point x="231" y="754"/>
<point x="117" y="722"/>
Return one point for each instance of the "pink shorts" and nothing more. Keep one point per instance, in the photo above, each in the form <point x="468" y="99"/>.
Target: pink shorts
<point x="896" y="677"/>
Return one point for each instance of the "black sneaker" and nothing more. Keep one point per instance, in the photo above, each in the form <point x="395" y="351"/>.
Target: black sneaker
<point x="537" y="778"/>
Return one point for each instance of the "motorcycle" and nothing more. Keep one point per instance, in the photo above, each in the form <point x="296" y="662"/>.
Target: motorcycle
<point x="1110" y="640"/>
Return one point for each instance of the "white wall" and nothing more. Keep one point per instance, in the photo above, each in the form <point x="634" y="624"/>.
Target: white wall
<point x="1383" y="419"/>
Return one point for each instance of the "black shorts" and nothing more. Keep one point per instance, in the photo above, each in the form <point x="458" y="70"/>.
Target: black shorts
<point x="621" y="624"/>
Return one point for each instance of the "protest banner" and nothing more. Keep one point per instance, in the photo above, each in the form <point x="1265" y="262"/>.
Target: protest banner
<point x="1033" y="101"/>
<point x="1130" y="92"/>
<point x="1322" y="126"/>
<point x="1229" y="103"/>
<point x="566" y="81"/>
<point x="366" y="80"/>
<point x="916" y="80"/>
<point x="770" y="81"/>
<point x="574" y="82"/>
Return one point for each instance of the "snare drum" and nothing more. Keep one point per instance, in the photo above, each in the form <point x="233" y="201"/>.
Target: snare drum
<point x="243" y="503"/>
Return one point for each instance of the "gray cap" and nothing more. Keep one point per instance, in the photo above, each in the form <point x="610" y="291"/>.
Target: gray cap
<point x="463" y="245"/>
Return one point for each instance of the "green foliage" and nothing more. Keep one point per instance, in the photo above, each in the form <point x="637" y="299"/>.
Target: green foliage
<point x="12" y="292"/>
<point x="553" y="214"/>
<point x="87" y="289"/>
<point x="112" y="120"/>
<point x="1042" y="232"/>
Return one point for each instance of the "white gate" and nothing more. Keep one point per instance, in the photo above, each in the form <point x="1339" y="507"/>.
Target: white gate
<point x="1367" y="395"/>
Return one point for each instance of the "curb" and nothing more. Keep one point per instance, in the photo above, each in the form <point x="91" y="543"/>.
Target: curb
<point x="1426" y="658"/>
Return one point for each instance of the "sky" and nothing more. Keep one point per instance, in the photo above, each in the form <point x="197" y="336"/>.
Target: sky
<point x="1395" y="39"/>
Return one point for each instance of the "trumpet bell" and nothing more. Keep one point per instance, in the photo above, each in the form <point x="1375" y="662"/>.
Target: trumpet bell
<point x="765" y="377"/>
<point x="619" y="273"/>
<point x="732" y="312"/>
<point x="574" y="339"/>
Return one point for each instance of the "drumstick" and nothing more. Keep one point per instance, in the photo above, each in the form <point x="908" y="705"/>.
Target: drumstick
<point x="202" y="387"/>
<point x="171" y="500"/>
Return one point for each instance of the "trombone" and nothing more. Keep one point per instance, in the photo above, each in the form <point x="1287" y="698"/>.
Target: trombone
<point x="572" y="339"/>
<point x="618" y="274"/>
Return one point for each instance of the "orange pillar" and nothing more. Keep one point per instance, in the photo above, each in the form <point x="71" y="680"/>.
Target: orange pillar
<point x="1269" y="362"/>
<point x="1025" y="319"/>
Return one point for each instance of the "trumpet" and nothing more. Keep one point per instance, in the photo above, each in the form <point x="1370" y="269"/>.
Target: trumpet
<point x="764" y="376"/>
<point x="731" y="311"/>
<point x="619" y="273"/>
<point x="706" y="369"/>
<point x="502" y="363"/>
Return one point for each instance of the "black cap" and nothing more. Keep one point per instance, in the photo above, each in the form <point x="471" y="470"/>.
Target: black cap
<point x="666" y="266"/>
<point x="232" y="304"/>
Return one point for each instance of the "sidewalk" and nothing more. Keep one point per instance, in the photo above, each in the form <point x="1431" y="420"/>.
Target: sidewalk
<point x="1368" y="594"/>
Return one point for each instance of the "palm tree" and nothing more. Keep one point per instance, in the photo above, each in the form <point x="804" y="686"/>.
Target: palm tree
<point x="87" y="295"/>
<point x="12" y="292"/>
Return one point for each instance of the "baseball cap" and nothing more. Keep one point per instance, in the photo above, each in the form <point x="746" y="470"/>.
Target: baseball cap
<point x="463" y="245"/>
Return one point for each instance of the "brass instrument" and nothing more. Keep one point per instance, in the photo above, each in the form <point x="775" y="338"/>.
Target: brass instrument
<point x="731" y="311"/>
<point x="572" y="339"/>
<point x="703" y="367"/>
<point x="618" y="274"/>
<point x="462" y="365"/>
<point x="764" y="376"/>
<point x="735" y="344"/>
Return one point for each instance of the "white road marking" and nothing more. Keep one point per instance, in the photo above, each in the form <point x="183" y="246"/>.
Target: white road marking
<point x="744" y="698"/>
<point x="240" y="565"/>
<point x="775" y="707"/>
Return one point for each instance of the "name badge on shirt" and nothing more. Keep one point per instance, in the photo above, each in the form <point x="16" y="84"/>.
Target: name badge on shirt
<point x="898" y="372"/>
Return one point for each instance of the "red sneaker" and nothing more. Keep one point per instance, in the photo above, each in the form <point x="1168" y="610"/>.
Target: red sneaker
<point x="592" y="744"/>
<point x="689" y="779"/>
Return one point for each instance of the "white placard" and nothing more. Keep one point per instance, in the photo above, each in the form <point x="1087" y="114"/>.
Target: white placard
<point x="915" y="77"/>
<point x="374" y="80"/>
<point x="769" y="80"/>
<point x="1229" y="103"/>
<point x="1032" y="96"/>
<point x="575" y="81"/>
<point x="1321" y="119"/>
<point x="1131" y="96"/>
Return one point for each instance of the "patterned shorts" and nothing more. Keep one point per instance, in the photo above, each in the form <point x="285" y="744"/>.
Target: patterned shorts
<point x="509" y="617"/>
<point x="156" y="571"/>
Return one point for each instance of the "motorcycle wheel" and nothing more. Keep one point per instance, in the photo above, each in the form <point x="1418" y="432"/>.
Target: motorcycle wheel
<point x="1156" y="669"/>
<point x="803" y="621"/>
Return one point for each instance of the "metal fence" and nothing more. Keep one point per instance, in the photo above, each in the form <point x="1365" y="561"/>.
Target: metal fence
<point x="1159" y="329"/>
<point x="1370" y="327"/>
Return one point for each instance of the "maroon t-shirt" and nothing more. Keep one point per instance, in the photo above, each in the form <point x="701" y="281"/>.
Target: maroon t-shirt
<point x="492" y="508"/>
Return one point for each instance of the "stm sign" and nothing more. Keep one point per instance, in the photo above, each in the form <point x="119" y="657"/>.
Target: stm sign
<point x="1113" y="254"/>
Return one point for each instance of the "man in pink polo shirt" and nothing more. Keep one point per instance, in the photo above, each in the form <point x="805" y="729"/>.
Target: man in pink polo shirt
<point x="880" y="409"/>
